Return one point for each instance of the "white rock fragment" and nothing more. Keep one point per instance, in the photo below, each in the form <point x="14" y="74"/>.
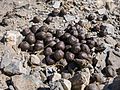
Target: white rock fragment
<point x="99" y="3"/>
<point x="102" y="11"/>
<point x="15" y="68"/>
<point x="66" y="84"/>
<point x="57" y="4"/>
<point x="110" y="29"/>
<point x="56" y="76"/>
<point x="34" y="59"/>
<point x="69" y="17"/>
<point x="110" y="40"/>
<point x="13" y="38"/>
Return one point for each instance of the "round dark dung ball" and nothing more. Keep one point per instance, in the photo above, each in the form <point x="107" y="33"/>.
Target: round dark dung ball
<point x="69" y="56"/>
<point x="24" y="46"/>
<point x="55" y="12"/>
<point x="48" y="19"/>
<point x="60" y="45"/>
<point x="49" y="60"/>
<point x="43" y="28"/>
<point x="48" y="51"/>
<point x="75" y="48"/>
<point x="26" y="31"/>
<point x="34" y="28"/>
<point x="38" y="46"/>
<point x="30" y="38"/>
<point x="85" y="48"/>
<point x="58" y="54"/>
<point x="41" y="35"/>
<point x="36" y="19"/>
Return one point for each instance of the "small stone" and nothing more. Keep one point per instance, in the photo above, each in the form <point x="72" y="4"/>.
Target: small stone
<point x="92" y="86"/>
<point x="100" y="60"/>
<point x="15" y="68"/>
<point x="66" y="75"/>
<point x="56" y="85"/>
<point x="66" y="84"/>
<point x="34" y="59"/>
<point x="82" y="77"/>
<point x="56" y="76"/>
<point x="3" y="79"/>
<point x="57" y="4"/>
<point x="109" y="71"/>
<point x="69" y="17"/>
<point x="102" y="11"/>
<point x="110" y="5"/>
<point x="13" y="38"/>
<point x="41" y="57"/>
<point x="110" y="40"/>
<point x="99" y="3"/>
<point x="113" y="60"/>
<point x="27" y="82"/>
<point x="108" y="29"/>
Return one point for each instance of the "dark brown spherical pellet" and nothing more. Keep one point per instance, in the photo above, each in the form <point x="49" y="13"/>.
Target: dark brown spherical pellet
<point x="59" y="33"/>
<point x="62" y="12"/>
<point x="30" y="38"/>
<point x="81" y="36"/>
<point x="83" y="41"/>
<point x="24" y="46"/>
<point x="85" y="48"/>
<point x="48" y="19"/>
<point x="48" y="51"/>
<point x="34" y="28"/>
<point x="26" y="31"/>
<point x="69" y="56"/>
<point x="72" y="40"/>
<point x="65" y="36"/>
<point x="49" y="60"/>
<point x="57" y="40"/>
<point x="75" y="48"/>
<point x="31" y="49"/>
<point x="51" y="43"/>
<point x="58" y="54"/>
<point x="38" y="46"/>
<point x="68" y="47"/>
<point x="41" y="35"/>
<point x="91" y="43"/>
<point x="43" y="28"/>
<point x="48" y="39"/>
<point x="105" y="17"/>
<point x="60" y="45"/>
<point x="55" y="12"/>
<point x="96" y="28"/>
<point x="91" y="17"/>
<point x="36" y="19"/>
<point x="74" y="33"/>
<point x="48" y="34"/>
<point x="82" y="55"/>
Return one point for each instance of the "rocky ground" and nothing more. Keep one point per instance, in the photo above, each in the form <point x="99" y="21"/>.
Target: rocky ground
<point x="59" y="45"/>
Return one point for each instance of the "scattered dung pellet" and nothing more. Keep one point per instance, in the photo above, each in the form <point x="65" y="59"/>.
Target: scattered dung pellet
<point x="36" y="19"/>
<point x="24" y="46"/>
